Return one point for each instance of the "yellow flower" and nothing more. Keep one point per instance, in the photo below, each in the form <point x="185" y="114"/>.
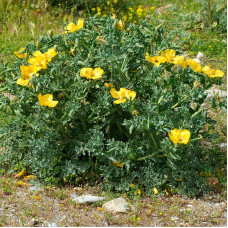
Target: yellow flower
<point x="115" y="1"/>
<point x="28" y="71"/>
<point x="134" y="112"/>
<point x="131" y="186"/>
<point x="47" y="100"/>
<point x="98" y="9"/>
<point x="21" y="183"/>
<point x="169" y="54"/>
<point x="118" y="164"/>
<point x="21" y="173"/>
<point x="99" y="208"/>
<point x="179" y="136"/>
<point x="107" y="85"/>
<point x="152" y="8"/>
<point x="91" y="73"/>
<point x="119" y="25"/>
<point x="39" y="60"/>
<point x="156" y="60"/>
<point x="122" y="95"/>
<point x="196" y="84"/>
<point x="212" y="73"/>
<point x="194" y="65"/>
<point x="138" y="192"/>
<point x="20" y="54"/>
<point x="51" y="53"/>
<point x="178" y="60"/>
<point x="36" y="197"/>
<point x="71" y="27"/>
<point x="30" y="177"/>
<point x="155" y="191"/>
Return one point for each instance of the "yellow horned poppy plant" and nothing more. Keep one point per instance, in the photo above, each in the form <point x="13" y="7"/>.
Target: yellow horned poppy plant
<point x="179" y="136"/>
<point x="47" y="100"/>
<point x="122" y="95"/>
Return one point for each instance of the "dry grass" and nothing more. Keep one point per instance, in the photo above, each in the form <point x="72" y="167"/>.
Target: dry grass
<point x="18" y="207"/>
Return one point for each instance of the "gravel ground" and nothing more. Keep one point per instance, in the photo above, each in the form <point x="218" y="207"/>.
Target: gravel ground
<point x="49" y="206"/>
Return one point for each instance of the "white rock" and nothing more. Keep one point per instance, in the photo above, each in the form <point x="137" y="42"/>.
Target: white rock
<point x="35" y="188"/>
<point x="189" y="205"/>
<point x="118" y="205"/>
<point x="88" y="199"/>
<point x="223" y="146"/>
<point x="197" y="60"/>
<point x="213" y="92"/>
<point x="52" y="225"/>
<point x="200" y="55"/>
<point x="174" y="218"/>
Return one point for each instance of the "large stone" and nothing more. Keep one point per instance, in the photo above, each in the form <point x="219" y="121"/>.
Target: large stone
<point x="118" y="205"/>
<point x="88" y="199"/>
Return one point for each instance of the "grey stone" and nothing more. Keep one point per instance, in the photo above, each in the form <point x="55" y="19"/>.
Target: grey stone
<point x="213" y="92"/>
<point x="52" y="225"/>
<point x="88" y="199"/>
<point x="200" y="55"/>
<point x="118" y="205"/>
<point x="35" y="188"/>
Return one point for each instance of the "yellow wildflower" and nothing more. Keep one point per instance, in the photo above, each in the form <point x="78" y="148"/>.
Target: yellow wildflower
<point x="152" y="8"/>
<point x="115" y="1"/>
<point x="212" y="73"/>
<point x="107" y="85"/>
<point x="22" y="82"/>
<point x="20" y="54"/>
<point x="51" y="53"/>
<point x="138" y="192"/>
<point x="169" y="54"/>
<point x="196" y="84"/>
<point x="122" y="95"/>
<point x="131" y="186"/>
<point x="91" y="73"/>
<point x="47" y="100"/>
<point x="21" y="173"/>
<point x="118" y="164"/>
<point x="99" y="208"/>
<point x="179" y="136"/>
<point x="30" y="177"/>
<point x="119" y="25"/>
<point x="156" y="60"/>
<point x="39" y="60"/>
<point x="71" y="27"/>
<point x="98" y="9"/>
<point x="36" y="197"/>
<point x="178" y="60"/>
<point x="194" y="65"/>
<point x="134" y="112"/>
<point x="155" y="191"/>
<point x="21" y="183"/>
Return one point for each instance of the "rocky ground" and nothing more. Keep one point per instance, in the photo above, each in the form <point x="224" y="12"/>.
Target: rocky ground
<point x="48" y="206"/>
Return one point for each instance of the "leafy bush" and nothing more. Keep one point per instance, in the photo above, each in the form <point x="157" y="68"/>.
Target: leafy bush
<point x="89" y="107"/>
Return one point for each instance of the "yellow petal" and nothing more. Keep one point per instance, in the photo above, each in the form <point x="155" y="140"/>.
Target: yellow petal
<point x="120" y="101"/>
<point x="185" y="135"/>
<point x="155" y="191"/>
<point x="97" y="73"/>
<point x="21" y="173"/>
<point x="114" y="93"/>
<point x="52" y="104"/>
<point x="22" y="82"/>
<point x="86" y="72"/>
